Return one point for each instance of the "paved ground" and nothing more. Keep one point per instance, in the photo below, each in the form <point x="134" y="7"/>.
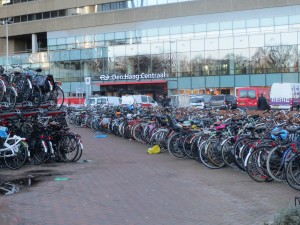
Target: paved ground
<point x="124" y="185"/>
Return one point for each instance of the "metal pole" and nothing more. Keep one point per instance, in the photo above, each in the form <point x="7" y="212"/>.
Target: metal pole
<point x="6" y="31"/>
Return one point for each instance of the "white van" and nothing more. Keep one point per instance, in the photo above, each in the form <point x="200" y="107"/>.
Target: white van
<point x="197" y="102"/>
<point x="103" y="101"/>
<point x="144" y="100"/>
<point x="285" y="96"/>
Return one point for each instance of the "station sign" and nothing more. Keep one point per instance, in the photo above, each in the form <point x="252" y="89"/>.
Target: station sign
<point x="133" y="76"/>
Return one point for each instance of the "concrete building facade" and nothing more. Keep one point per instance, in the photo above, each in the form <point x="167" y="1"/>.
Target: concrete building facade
<point x="155" y="46"/>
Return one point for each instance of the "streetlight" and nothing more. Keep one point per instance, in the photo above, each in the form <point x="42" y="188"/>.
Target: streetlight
<point x="6" y="22"/>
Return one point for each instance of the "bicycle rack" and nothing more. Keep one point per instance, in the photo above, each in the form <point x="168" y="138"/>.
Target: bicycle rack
<point x="297" y="201"/>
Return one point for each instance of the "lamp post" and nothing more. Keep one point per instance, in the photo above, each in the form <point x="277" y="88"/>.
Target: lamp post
<point x="6" y="22"/>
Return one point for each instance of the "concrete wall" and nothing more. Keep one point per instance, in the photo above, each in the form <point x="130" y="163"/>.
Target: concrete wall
<point x="200" y="7"/>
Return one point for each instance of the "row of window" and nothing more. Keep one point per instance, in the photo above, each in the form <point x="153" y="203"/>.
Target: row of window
<point x="87" y="9"/>
<point x="11" y="2"/>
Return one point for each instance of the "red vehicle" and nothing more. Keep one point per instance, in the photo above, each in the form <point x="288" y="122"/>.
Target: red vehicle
<point x="247" y="96"/>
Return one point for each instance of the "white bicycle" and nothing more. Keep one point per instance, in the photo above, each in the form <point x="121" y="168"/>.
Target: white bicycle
<point x="13" y="149"/>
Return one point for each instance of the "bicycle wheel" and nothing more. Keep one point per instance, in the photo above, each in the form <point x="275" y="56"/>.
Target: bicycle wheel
<point x="16" y="157"/>
<point x="276" y="164"/>
<point x="187" y="145"/>
<point x="24" y="89"/>
<point x="36" y="96"/>
<point x="68" y="148"/>
<point x="137" y="131"/>
<point x="293" y="172"/>
<point x="2" y="89"/>
<point x="58" y="96"/>
<point x="256" y="164"/>
<point x="214" y="154"/>
<point x="10" y="98"/>
<point x="227" y="152"/>
<point x="175" y="148"/>
<point x="37" y="149"/>
<point x="203" y="155"/>
<point x="160" y="138"/>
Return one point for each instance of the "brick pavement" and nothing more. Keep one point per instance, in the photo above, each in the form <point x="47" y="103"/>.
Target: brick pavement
<point x="124" y="185"/>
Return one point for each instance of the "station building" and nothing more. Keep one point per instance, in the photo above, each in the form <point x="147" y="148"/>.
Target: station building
<point x="154" y="46"/>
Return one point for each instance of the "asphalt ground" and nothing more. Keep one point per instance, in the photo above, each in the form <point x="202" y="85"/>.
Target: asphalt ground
<point x="117" y="183"/>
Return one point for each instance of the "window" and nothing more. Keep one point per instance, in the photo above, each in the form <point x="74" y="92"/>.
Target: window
<point x="24" y="18"/>
<point x="252" y="94"/>
<point x="39" y="16"/>
<point x="144" y="98"/>
<point x="46" y="15"/>
<point x="243" y="94"/>
<point x="54" y="14"/>
<point x="62" y="12"/>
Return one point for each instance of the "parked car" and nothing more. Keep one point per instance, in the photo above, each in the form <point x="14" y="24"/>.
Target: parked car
<point x="103" y="101"/>
<point x="206" y="100"/>
<point x="143" y="100"/>
<point x="223" y="102"/>
<point x="197" y="102"/>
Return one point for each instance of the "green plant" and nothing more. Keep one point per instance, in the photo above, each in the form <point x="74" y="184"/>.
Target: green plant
<point x="289" y="216"/>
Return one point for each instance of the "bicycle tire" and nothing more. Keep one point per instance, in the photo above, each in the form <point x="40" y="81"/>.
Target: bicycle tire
<point x="174" y="147"/>
<point x="37" y="149"/>
<point x="17" y="160"/>
<point x="68" y="148"/>
<point x="256" y="164"/>
<point x="293" y="172"/>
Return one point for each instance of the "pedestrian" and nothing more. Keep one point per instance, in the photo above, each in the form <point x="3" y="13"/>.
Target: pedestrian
<point x="262" y="103"/>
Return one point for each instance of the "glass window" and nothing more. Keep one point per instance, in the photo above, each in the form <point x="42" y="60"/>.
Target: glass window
<point x="197" y="45"/>
<point x="70" y="40"/>
<point x="46" y="15"/>
<point x="200" y="27"/>
<point x="119" y="35"/>
<point x="61" y="41"/>
<point x="183" y="46"/>
<point x="144" y="98"/>
<point x="239" y="24"/>
<point x="257" y="40"/>
<point x="294" y="19"/>
<point x="109" y="36"/>
<point x="152" y="32"/>
<point x="188" y="29"/>
<point x="226" y="25"/>
<point x="252" y="94"/>
<point x="144" y="48"/>
<point x="252" y="23"/>
<point x="24" y="18"/>
<point x="265" y="22"/>
<point x="39" y="16"/>
<point x="289" y="38"/>
<point x="283" y="20"/>
<point x="62" y="12"/>
<point x="272" y="39"/>
<point x="31" y="17"/>
<point x="54" y="14"/>
<point x="226" y="43"/>
<point x="212" y="26"/>
<point x="241" y="42"/>
<point x="99" y="37"/>
<point x="51" y="42"/>
<point x="157" y="48"/>
<point x="211" y="43"/>
<point x="163" y="31"/>
<point x="175" y="30"/>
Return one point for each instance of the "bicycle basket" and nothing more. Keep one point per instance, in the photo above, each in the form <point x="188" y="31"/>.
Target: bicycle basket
<point x="3" y="132"/>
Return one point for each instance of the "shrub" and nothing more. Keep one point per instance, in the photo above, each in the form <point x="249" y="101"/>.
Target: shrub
<point x="289" y="216"/>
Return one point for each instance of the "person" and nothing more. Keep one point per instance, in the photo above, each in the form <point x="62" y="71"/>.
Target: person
<point x="262" y="103"/>
<point x="166" y="102"/>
